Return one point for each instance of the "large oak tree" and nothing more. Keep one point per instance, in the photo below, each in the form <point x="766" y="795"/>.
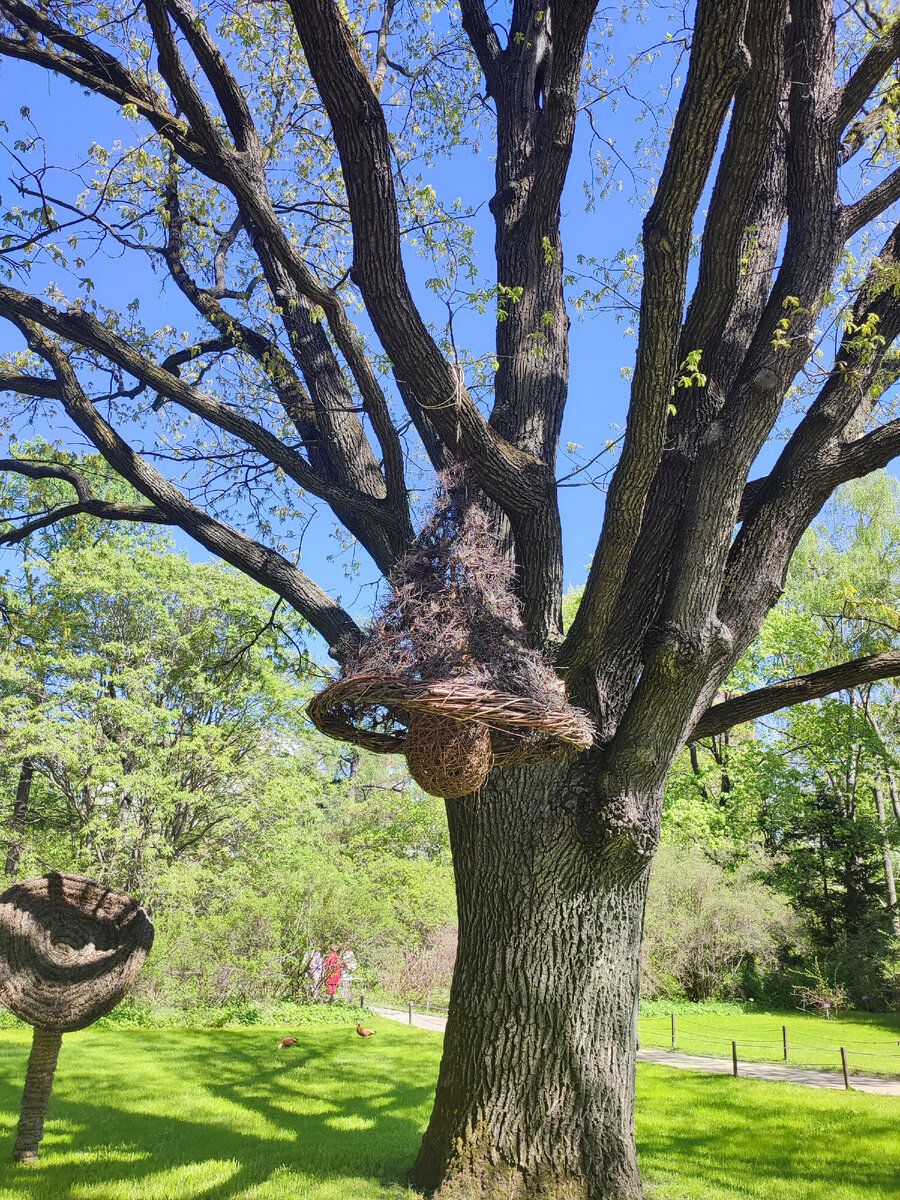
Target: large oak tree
<point x="274" y="184"/>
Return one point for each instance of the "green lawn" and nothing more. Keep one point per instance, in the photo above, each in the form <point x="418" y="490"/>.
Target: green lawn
<point x="220" y="1115"/>
<point x="872" y="1040"/>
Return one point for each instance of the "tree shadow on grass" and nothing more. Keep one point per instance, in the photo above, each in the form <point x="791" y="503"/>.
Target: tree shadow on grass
<point x="211" y="1116"/>
<point x="760" y="1141"/>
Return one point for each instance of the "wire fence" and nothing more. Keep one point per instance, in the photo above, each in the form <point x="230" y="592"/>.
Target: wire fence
<point x="682" y="1032"/>
<point x="684" y="1036"/>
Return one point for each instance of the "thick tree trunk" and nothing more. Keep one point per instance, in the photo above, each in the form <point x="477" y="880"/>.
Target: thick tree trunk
<point x="19" y="816"/>
<point x="36" y="1094"/>
<point x="536" y="1090"/>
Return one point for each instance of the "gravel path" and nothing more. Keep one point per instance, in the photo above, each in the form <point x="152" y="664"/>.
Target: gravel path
<point x="698" y="1062"/>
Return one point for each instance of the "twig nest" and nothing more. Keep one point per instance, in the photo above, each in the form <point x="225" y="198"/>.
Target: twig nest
<point x="446" y="675"/>
<point x="70" y="949"/>
<point x="447" y="757"/>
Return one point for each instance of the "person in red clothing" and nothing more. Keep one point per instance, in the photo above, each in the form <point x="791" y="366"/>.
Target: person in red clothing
<point x="333" y="966"/>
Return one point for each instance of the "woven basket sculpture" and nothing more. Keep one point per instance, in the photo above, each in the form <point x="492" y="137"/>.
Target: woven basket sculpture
<point x="70" y="949"/>
<point x="446" y="675"/>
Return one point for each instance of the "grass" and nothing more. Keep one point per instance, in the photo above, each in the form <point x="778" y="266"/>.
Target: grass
<point x="220" y="1115"/>
<point x="871" y="1039"/>
<point x="711" y="1137"/>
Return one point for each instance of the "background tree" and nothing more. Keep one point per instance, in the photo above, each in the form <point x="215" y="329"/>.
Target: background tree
<point x="812" y="783"/>
<point x="705" y="923"/>
<point x="160" y="704"/>
<point x="273" y="177"/>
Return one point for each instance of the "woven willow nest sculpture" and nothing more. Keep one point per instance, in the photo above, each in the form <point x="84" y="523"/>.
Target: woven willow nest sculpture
<point x="446" y="675"/>
<point x="70" y="949"/>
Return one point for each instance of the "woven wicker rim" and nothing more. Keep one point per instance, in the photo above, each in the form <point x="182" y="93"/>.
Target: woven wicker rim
<point x="70" y="948"/>
<point x="522" y="730"/>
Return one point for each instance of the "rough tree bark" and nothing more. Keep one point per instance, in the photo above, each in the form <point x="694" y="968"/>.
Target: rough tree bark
<point x="536" y="1089"/>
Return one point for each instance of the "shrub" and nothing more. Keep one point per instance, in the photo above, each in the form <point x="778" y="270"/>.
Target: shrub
<point x="704" y="922"/>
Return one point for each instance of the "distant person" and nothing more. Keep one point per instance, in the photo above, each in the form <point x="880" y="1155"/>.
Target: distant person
<point x="315" y="969"/>
<point x="349" y="968"/>
<point x="332" y="973"/>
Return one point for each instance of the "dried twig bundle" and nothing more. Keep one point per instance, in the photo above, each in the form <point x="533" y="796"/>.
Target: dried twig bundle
<point x="449" y="644"/>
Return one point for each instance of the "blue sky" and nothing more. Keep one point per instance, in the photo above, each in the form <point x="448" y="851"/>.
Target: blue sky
<point x="70" y="121"/>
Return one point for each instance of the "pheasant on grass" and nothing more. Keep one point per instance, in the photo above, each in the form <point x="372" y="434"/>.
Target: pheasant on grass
<point x="363" y="1032"/>
<point x="285" y="1042"/>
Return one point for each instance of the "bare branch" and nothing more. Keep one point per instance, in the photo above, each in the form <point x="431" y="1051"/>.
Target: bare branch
<point x="872" y="205"/>
<point x="260" y="562"/>
<point x="336" y="443"/>
<point x="184" y="93"/>
<point x="95" y="69"/>
<point x="84" y="329"/>
<point x="867" y="76"/>
<point x="760" y="703"/>
<point x="777" y="509"/>
<point x="860" y="131"/>
<point x="483" y="39"/>
<point x="381" y="53"/>
<point x="216" y="345"/>
<point x="145" y="514"/>
<point x="868" y="453"/>
<point x="47" y="470"/>
<point x="717" y="63"/>
<point x="228" y="92"/>
<point x="29" y="385"/>
<point x="513" y="478"/>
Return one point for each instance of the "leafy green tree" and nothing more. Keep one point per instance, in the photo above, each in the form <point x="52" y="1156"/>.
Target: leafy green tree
<point x="151" y="696"/>
<point x="813" y="780"/>
<point x="706" y="923"/>
<point x="277" y="179"/>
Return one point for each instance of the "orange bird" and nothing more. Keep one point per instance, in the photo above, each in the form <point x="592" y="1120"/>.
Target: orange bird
<point x="285" y="1042"/>
<point x="363" y="1032"/>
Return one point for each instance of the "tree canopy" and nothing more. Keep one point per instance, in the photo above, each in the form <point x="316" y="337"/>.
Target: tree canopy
<point x="273" y="173"/>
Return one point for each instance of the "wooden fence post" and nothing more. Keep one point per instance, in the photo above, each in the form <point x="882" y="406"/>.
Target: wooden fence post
<point x="410" y="1012"/>
<point x="784" y="1038"/>
<point x="734" y="1058"/>
<point x="673" y="1031"/>
<point x="844" y="1065"/>
<point x="362" y="999"/>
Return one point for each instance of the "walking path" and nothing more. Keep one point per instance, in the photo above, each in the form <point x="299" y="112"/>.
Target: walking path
<point x="420" y="1020"/>
<point x="698" y="1062"/>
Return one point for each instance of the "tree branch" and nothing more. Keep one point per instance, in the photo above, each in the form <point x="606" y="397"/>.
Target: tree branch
<point x="860" y="131"/>
<point x="760" y="703"/>
<point x="260" y="562"/>
<point x="868" y="453"/>
<point x="29" y="385"/>
<point x="483" y="39"/>
<point x="84" y="329"/>
<point x="147" y="514"/>
<point x="777" y="509"/>
<point x="867" y="76"/>
<point x="718" y="60"/>
<point x="87" y="64"/>
<point x="874" y="203"/>
<point x="514" y="479"/>
<point x="228" y="92"/>
<point x="244" y="175"/>
<point x="381" y="53"/>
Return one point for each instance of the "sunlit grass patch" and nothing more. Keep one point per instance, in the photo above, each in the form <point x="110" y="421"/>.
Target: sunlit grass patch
<point x="711" y="1137"/>
<point x="222" y="1115"/>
